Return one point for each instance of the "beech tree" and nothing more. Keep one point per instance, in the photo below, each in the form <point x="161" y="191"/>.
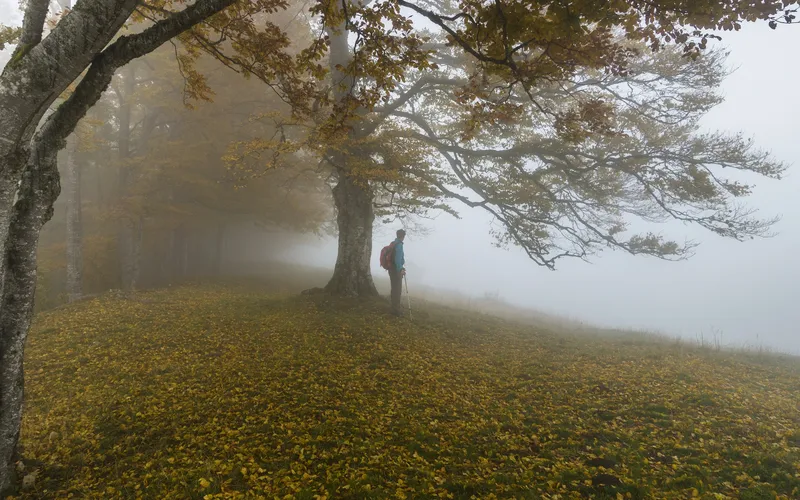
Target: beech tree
<point x="86" y="41"/>
<point x="561" y="120"/>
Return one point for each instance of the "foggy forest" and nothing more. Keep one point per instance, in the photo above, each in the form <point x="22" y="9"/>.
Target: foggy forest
<point x="325" y="249"/>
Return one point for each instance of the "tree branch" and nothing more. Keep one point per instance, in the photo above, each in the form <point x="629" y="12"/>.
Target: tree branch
<point x="80" y="36"/>
<point x="61" y="123"/>
<point x="439" y="20"/>
<point x="32" y="26"/>
<point x="385" y="111"/>
<point x="43" y="72"/>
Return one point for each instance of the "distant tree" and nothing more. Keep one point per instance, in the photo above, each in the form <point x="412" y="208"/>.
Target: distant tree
<point x="560" y="120"/>
<point x="173" y="183"/>
<point x="181" y="182"/>
<point x="130" y="227"/>
<point x="74" y="226"/>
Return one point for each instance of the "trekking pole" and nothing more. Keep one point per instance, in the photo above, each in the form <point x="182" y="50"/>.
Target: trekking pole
<point x="408" y="296"/>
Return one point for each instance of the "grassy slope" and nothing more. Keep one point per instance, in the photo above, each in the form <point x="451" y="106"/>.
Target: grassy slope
<point x="210" y="392"/>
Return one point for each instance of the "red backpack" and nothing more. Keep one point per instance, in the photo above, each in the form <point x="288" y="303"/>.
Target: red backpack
<point x="387" y="256"/>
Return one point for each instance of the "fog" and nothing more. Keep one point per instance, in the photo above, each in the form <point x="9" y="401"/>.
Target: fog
<point x="747" y="292"/>
<point x="744" y="291"/>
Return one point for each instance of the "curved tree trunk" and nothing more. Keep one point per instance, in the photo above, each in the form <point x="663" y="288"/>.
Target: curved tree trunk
<point x="40" y="72"/>
<point x="11" y="168"/>
<point x="8" y="190"/>
<point x="34" y="207"/>
<point x="352" y="275"/>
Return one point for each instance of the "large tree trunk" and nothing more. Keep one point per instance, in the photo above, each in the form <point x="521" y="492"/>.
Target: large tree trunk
<point x="352" y="275"/>
<point x="74" y="223"/>
<point x="353" y="197"/>
<point x="39" y="190"/>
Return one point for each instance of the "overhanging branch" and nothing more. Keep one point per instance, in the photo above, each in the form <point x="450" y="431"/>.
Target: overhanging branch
<point x="61" y="123"/>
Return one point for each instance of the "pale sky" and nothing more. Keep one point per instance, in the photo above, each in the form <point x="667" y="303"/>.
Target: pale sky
<point x="748" y="291"/>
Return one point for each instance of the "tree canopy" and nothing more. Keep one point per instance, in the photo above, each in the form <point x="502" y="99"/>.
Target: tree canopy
<point x="562" y="121"/>
<point x="564" y="167"/>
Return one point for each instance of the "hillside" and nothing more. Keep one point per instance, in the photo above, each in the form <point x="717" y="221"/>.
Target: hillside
<point x="227" y="392"/>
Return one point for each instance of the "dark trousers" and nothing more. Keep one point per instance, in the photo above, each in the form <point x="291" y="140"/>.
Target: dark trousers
<point x="396" y="279"/>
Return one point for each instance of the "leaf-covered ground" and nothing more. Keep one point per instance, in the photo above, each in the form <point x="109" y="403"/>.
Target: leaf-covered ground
<point x="209" y="392"/>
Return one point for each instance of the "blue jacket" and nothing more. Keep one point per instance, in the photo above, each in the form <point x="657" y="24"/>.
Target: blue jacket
<point x="399" y="257"/>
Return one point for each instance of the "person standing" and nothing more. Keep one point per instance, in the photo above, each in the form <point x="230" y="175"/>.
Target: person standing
<point x="397" y="271"/>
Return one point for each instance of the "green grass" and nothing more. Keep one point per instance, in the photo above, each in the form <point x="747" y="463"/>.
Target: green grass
<point x="225" y="392"/>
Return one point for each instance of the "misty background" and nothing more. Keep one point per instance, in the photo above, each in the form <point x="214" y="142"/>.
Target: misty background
<point x="747" y="292"/>
<point x="743" y="291"/>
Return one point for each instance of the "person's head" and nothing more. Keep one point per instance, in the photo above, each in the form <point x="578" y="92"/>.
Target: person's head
<point x="401" y="234"/>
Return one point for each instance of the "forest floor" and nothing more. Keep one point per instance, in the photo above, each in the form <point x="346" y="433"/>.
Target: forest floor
<point x="212" y="391"/>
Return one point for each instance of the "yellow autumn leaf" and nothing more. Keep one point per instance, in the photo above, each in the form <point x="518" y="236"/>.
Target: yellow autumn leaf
<point x="462" y="388"/>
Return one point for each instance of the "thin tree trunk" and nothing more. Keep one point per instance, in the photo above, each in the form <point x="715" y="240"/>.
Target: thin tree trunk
<point x="74" y="223"/>
<point x="101" y="198"/>
<point x="219" y="248"/>
<point x="168" y="264"/>
<point x="38" y="192"/>
<point x="185" y="256"/>
<point x="355" y="215"/>
<point x="136" y="236"/>
<point x="128" y="227"/>
<point x="180" y="249"/>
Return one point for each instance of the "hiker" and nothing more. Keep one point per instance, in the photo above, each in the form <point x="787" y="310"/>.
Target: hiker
<point x="393" y="260"/>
